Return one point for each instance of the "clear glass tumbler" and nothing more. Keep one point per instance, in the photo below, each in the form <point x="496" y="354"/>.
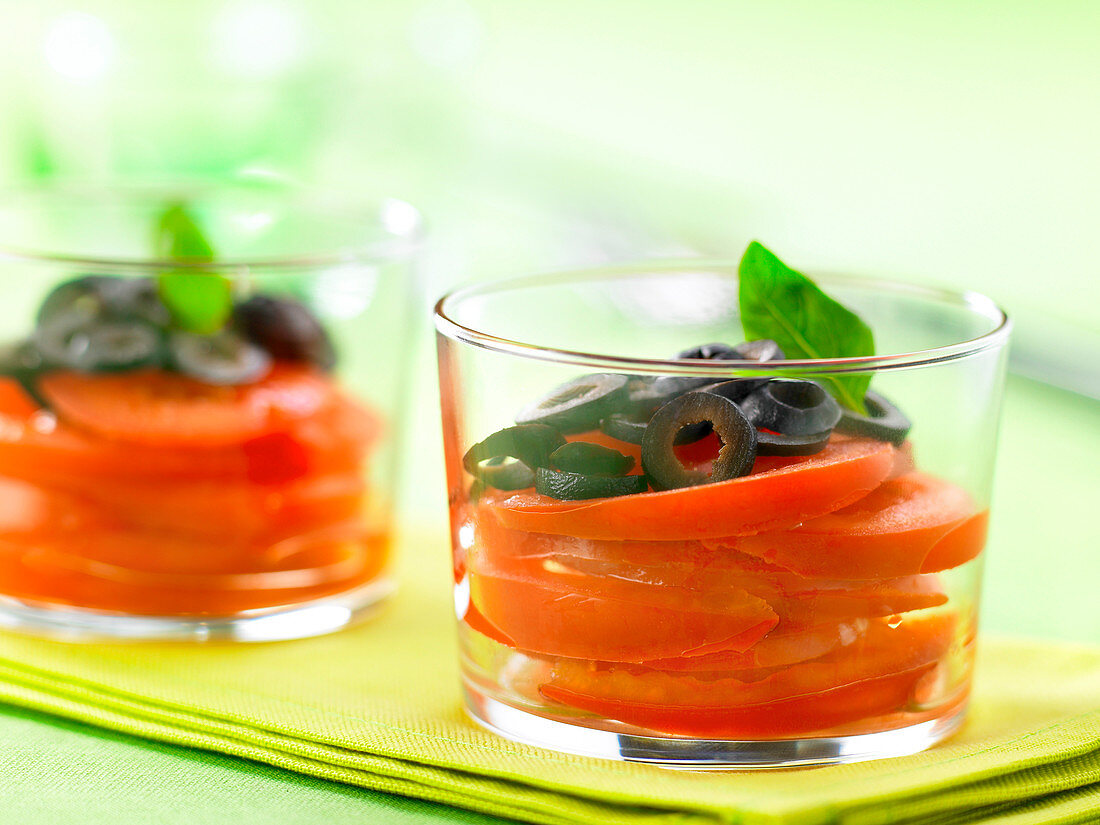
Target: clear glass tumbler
<point x="200" y="387"/>
<point x="821" y="607"/>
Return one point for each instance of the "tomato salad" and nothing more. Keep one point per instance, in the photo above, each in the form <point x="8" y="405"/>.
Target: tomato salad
<point x="740" y="559"/>
<point x="154" y="463"/>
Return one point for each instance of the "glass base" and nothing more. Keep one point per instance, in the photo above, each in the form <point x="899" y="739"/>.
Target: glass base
<point x="272" y="624"/>
<point x="705" y="754"/>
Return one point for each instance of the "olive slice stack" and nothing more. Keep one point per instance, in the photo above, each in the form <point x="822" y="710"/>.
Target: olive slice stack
<point x="750" y="415"/>
<point x="102" y="323"/>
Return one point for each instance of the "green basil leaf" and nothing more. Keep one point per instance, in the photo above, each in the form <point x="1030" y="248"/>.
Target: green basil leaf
<point x="779" y="303"/>
<point x="200" y="301"/>
<point x="179" y="237"/>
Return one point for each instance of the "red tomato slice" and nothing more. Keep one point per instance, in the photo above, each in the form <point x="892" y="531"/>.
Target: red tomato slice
<point x="14" y="401"/>
<point x="42" y="449"/>
<point x="686" y="576"/>
<point x="837" y="476"/>
<point x="780" y="647"/>
<point x="874" y="675"/>
<point x="847" y="600"/>
<point x="549" y="621"/>
<point x="159" y="408"/>
<point x="148" y="573"/>
<point x="27" y="511"/>
<point x="837" y="711"/>
<point x="896" y="530"/>
<point x="230" y="512"/>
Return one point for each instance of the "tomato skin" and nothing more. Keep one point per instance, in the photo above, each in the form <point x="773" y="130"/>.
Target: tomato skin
<point x="38" y="447"/>
<point x="783" y="645"/>
<point x="154" y="574"/>
<point x="14" y="400"/>
<point x="548" y="621"/>
<point x="690" y="577"/>
<point x="911" y="524"/>
<point x="873" y="675"/>
<point x="164" y="409"/>
<point x="802" y="716"/>
<point x="842" y="473"/>
<point x="222" y="510"/>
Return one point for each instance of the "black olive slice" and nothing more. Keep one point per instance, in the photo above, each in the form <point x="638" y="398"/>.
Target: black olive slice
<point x="785" y="445"/>
<point x="576" y="486"/>
<point x="506" y="474"/>
<point x="93" y="297"/>
<point x="738" y="436"/>
<point x="762" y="350"/>
<point x="135" y="298"/>
<point x="884" y="421"/>
<point x="623" y="428"/>
<point x="222" y="358"/>
<point x="792" y="407"/>
<point x="710" y="352"/>
<point x="647" y="395"/>
<point x="590" y="459"/>
<point x="736" y="389"/>
<point x="19" y="359"/>
<point x="285" y="328"/>
<point x="579" y="404"/>
<point x="530" y="443"/>
<point x="99" y="346"/>
<point x="81" y="297"/>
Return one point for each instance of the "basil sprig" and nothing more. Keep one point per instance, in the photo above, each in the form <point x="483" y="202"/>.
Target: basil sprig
<point x="779" y="303"/>
<point x="200" y="301"/>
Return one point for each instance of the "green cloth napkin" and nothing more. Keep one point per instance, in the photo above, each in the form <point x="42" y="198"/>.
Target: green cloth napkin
<point x="54" y="771"/>
<point x="379" y="707"/>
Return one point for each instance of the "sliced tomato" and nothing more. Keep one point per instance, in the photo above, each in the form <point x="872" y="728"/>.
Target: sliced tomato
<point x="161" y="409"/>
<point x="42" y="449"/>
<point x="776" y="499"/>
<point x="686" y="576"/>
<point x="782" y="646"/>
<point x="27" y="511"/>
<point x="874" y="675"/>
<point x="846" y="600"/>
<point x="14" y="401"/>
<point x="850" y="709"/>
<point x="897" y="530"/>
<point x="135" y="572"/>
<point x="549" y="621"/>
<point x="222" y="510"/>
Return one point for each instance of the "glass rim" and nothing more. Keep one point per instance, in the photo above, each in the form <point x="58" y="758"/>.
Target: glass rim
<point x="397" y="240"/>
<point x="976" y="302"/>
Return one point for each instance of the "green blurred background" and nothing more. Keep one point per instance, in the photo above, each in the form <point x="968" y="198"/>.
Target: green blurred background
<point x="938" y="141"/>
